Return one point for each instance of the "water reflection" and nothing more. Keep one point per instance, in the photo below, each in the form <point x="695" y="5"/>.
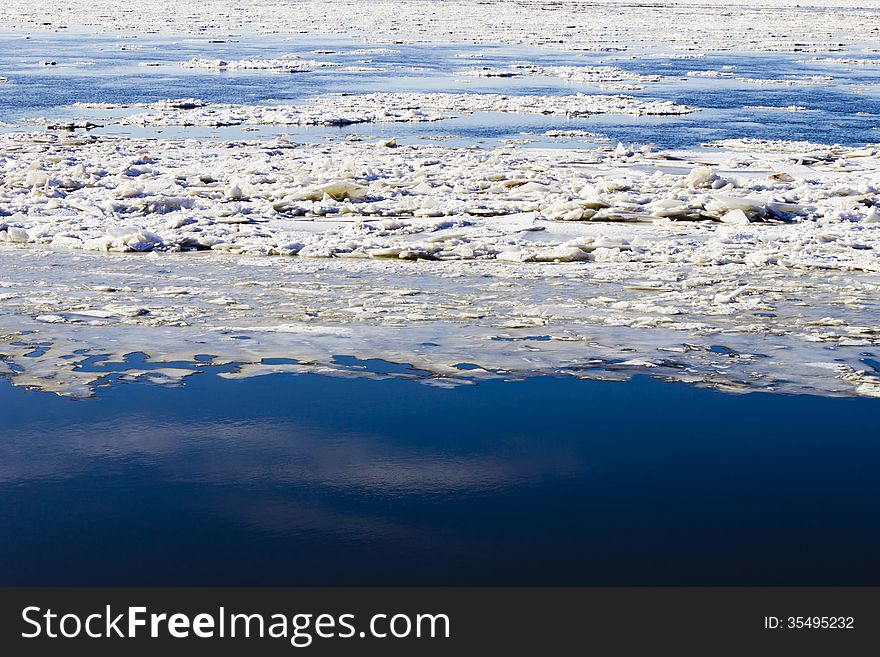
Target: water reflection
<point x="309" y="480"/>
<point x="279" y="451"/>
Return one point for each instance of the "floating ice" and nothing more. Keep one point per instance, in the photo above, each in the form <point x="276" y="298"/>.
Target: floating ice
<point x="804" y="81"/>
<point x="287" y="64"/>
<point x="348" y="109"/>
<point x="726" y="323"/>
<point x="689" y="28"/>
<point x="709" y="74"/>
<point x="601" y="75"/>
<point x="776" y="108"/>
<point x="805" y="205"/>
<point x="750" y="266"/>
<point x="846" y="61"/>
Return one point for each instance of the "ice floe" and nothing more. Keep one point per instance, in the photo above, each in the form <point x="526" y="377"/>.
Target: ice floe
<point x="596" y="263"/>
<point x="845" y="61"/>
<point x="601" y="75"/>
<point x="688" y="28"/>
<point x="728" y="324"/>
<point x="801" y="205"/>
<point x="776" y="108"/>
<point x="348" y="109"/>
<point x="802" y="81"/>
<point x="288" y="64"/>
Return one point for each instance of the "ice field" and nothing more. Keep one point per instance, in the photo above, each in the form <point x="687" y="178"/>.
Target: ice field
<point x="454" y="191"/>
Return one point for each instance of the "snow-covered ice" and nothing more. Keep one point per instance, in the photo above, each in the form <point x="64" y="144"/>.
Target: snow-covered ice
<point x="747" y="263"/>
<point x="670" y="254"/>
<point x="350" y="109"/>
<point x="690" y="26"/>
<point x="288" y="64"/>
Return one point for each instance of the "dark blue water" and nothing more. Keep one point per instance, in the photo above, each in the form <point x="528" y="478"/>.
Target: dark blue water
<point x="846" y="110"/>
<point x="316" y="480"/>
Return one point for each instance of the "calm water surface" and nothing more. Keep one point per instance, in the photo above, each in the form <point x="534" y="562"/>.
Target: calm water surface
<point x="307" y="479"/>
